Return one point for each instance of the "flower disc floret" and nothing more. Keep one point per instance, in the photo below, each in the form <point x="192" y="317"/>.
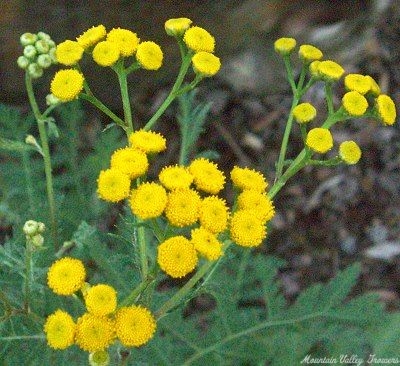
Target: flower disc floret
<point x="246" y="229"/>
<point x="177" y="26"/>
<point x="60" y="330"/>
<point x="246" y="178"/>
<point x="148" y="141"/>
<point x="177" y="256"/>
<point x="106" y="53"/>
<point x="101" y="300"/>
<point x="309" y="53"/>
<point x="258" y="202"/>
<point x="213" y="214"/>
<point x="67" y="84"/>
<point x="175" y="177"/>
<point x="357" y="82"/>
<point x="206" y="244"/>
<point x="134" y="325"/>
<point x="304" y="112"/>
<point x="198" y="39"/>
<point x="92" y="36"/>
<point x="126" y="40"/>
<point x="182" y="207"/>
<point x="94" y="333"/>
<point x="386" y="109"/>
<point x="207" y="177"/>
<point x="66" y="276"/>
<point x="148" y="200"/>
<point x="330" y="70"/>
<point x="350" y="152"/>
<point x="113" y="185"/>
<point x="206" y="64"/>
<point x="354" y="103"/>
<point x="319" y="140"/>
<point x="130" y="161"/>
<point x="69" y="52"/>
<point x="149" y="55"/>
<point x="284" y="45"/>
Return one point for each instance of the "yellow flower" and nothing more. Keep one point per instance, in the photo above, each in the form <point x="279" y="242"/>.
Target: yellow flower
<point x="375" y="89"/>
<point x="206" y="243"/>
<point x="149" y="55"/>
<point x="106" y="53"/>
<point x="66" y="276"/>
<point x="206" y="64"/>
<point x="130" y="161"/>
<point x="101" y="300"/>
<point x="359" y="83"/>
<point x="94" y="333"/>
<point x="213" y="214"/>
<point x="175" y="177"/>
<point x="148" y="141"/>
<point x="113" y="185"/>
<point x="354" y="103"/>
<point x="182" y="207"/>
<point x="247" y="229"/>
<point x="177" y="256"/>
<point x="258" y="202"/>
<point x="245" y="178"/>
<point x="69" y="52"/>
<point x="148" y="200"/>
<point x="60" y="330"/>
<point x="126" y="40"/>
<point x="309" y="53"/>
<point x="67" y="84"/>
<point x="134" y="325"/>
<point x="319" y="140"/>
<point x="207" y="177"/>
<point x="177" y="26"/>
<point x="92" y="36"/>
<point x="285" y="45"/>
<point x="349" y="152"/>
<point x="313" y="68"/>
<point x="99" y="358"/>
<point x="198" y="39"/>
<point x="304" y="112"/>
<point x="330" y="70"/>
<point x="386" y="109"/>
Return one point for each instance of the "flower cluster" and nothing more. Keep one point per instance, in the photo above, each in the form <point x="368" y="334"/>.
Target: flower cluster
<point x="38" y="54"/>
<point x="186" y="198"/>
<point x="363" y="98"/>
<point x="33" y="231"/>
<point x="102" y="323"/>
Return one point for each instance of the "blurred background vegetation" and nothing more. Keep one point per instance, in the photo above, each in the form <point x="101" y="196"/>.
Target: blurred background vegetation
<point x="326" y="218"/>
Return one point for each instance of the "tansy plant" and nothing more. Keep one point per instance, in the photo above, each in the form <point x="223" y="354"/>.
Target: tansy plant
<point x="176" y="226"/>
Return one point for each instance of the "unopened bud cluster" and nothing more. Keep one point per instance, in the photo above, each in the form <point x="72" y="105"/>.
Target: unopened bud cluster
<point x="33" y="231"/>
<point x="39" y="53"/>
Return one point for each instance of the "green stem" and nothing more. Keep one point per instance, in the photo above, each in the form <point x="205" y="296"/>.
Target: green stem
<point x="289" y="71"/>
<point x="123" y="84"/>
<point x="22" y="338"/>
<point x="329" y="97"/>
<point x="28" y="277"/>
<point x="142" y="250"/>
<point x="173" y="93"/>
<point x="136" y="291"/>
<point x="28" y="180"/>
<point x="46" y="157"/>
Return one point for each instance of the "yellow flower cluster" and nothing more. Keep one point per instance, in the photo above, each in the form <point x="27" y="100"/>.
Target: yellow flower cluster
<point x="102" y="323"/>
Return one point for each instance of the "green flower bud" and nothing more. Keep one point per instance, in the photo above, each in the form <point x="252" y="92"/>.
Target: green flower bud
<point x="51" y="99"/>
<point x="41" y="227"/>
<point x="37" y="240"/>
<point x="30" y="51"/>
<point x="99" y="358"/>
<point x="44" y="61"/>
<point x="44" y="36"/>
<point x="30" y="140"/>
<point x="51" y="43"/>
<point x="42" y="46"/>
<point x="52" y="54"/>
<point x="23" y="62"/>
<point x="30" y="228"/>
<point x="28" y="38"/>
<point x="35" y="71"/>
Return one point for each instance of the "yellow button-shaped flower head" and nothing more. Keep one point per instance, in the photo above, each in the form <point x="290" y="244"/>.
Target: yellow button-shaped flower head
<point x="177" y="256"/>
<point x="319" y="140"/>
<point x="113" y="185"/>
<point x="285" y="45"/>
<point x="149" y="55"/>
<point x="313" y="69"/>
<point x="304" y="112"/>
<point x="206" y="244"/>
<point x="258" y="202"/>
<point x="207" y="177"/>
<point x="375" y="89"/>
<point x="330" y="70"/>
<point x="148" y="141"/>
<point x="350" y="152"/>
<point x="60" y="330"/>
<point x="175" y="177"/>
<point x="357" y="82"/>
<point x="183" y="207"/>
<point x="354" y="103"/>
<point x="134" y="325"/>
<point x="246" y="178"/>
<point x="92" y="36"/>
<point x="67" y="84"/>
<point x="247" y="229"/>
<point x="309" y="53"/>
<point x="126" y="40"/>
<point x="206" y="64"/>
<point x="106" y="53"/>
<point x="213" y="214"/>
<point x="130" y="161"/>
<point x="69" y="52"/>
<point x="177" y="26"/>
<point x="386" y="109"/>
<point x="198" y="39"/>
<point x="66" y="276"/>
<point x="101" y="300"/>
